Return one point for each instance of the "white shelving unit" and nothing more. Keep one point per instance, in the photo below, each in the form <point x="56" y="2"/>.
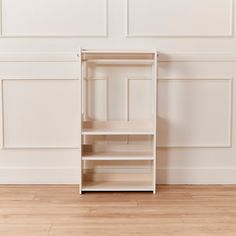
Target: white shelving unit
<point x="118" y="120"/>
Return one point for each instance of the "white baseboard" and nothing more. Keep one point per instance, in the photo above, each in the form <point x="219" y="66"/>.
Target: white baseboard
<point x="197" y="176"/>
<point x="39" y="175"/>
<point x="70" y="175"/>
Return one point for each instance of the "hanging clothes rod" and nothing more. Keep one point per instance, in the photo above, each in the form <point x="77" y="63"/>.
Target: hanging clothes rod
<point x="117" y="52"/>
<point x="120" y="61"/>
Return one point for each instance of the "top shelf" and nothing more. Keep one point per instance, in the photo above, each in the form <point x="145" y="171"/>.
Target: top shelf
<point x="119" y="51"/>
<point x="126" y="56"/>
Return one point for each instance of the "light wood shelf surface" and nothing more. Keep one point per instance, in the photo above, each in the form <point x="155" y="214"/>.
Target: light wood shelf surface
<point x="117" y="186"/>
<point x="117" y="152"/>
<point x="128" y="131"/>
<point x="118" y="128"/>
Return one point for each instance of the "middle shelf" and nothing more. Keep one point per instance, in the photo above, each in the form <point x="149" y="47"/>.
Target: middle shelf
<point x="117" y="152"/>
<point x="118" y="128"/>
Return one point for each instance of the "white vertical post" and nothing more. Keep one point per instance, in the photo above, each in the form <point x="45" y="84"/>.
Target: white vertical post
<point x="81" y="119"/>
<point x="155" y="77"/>
<point x="2" y="115"/>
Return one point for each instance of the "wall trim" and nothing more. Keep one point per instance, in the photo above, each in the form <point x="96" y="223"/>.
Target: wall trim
<point x="39" y="175"/>
<point x="204" y="175"/>
<point x="74" y="57"/>
<point x="40" y="57"/>
<point x="197" y="57"/>
<point x="69" y="175"/>
<point x="231" y="101"/>
<point x="229" y="145"/>
<point x="229" y="35"/>
<point x="26" y="78"/>
<point x="230" y="128"/>
<point x="162" y="79"/>
<point x="103" y="35"/>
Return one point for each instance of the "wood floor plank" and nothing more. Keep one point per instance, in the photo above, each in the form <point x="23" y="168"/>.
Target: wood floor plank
<point x="177" y="210"/>
<point x="24" y="229"/>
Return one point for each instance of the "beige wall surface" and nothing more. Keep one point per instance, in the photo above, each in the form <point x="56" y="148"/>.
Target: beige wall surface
<point x="39" y="71"/>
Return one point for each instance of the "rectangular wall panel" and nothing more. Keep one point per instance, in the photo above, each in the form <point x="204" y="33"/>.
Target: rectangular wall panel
<point x="41" y="113"/>
<point x="54" y="18"/>
<point x="194" y="112"/>
<point x="179" y="18"/>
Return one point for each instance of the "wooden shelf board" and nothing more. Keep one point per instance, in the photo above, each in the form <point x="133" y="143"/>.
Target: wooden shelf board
<point x="117" y="186"/>
<point x="94" y="131"/>
<point x="117" y="155"/>
<point x="119" y="158"/>
<point x="118" y="128"/>
<point x="117" y="152"/>
<point x="118" y="51"/>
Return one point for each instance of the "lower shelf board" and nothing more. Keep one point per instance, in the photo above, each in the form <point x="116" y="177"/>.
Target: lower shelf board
<point x="117" y="186"/>
<point x="117" y="152"/>
<point x="117" y="156"/>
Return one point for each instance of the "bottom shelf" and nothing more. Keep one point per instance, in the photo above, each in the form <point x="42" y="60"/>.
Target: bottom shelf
<point x="117" y="186"/>
<point x="117" y="176"/>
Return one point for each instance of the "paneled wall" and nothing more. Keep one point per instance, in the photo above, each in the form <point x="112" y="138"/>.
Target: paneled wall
<point x="40" y="98"/>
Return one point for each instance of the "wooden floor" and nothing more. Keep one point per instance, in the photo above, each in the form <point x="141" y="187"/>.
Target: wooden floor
<point x="60" y="210"/>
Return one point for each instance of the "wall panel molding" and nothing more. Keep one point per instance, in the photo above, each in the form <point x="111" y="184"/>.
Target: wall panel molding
<point x="22" y="79"/>
<point x="197" y="57"/>
<point x="201" y="175"/>
<point x="228" y="142"/>
<point x="92" y="16"/>
<point x="74" y="57"/>
<point x="155" y="22"/>
<point x="39" y="57"/>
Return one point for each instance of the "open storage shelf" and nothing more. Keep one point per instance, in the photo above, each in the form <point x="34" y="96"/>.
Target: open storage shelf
<point x="117" y="186"/>
<point x="110" y="176"/>
<point x="117" y="152"/>
<point x="118" y="127"/>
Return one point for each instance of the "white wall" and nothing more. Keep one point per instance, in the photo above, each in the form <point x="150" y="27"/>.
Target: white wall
<point x="39" y="39"/>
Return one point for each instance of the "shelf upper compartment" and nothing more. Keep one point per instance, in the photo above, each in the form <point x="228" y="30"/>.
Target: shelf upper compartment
<point x="117" y="152"/>
<point x="117" y="128"/>
<point x="118" y="176"/>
